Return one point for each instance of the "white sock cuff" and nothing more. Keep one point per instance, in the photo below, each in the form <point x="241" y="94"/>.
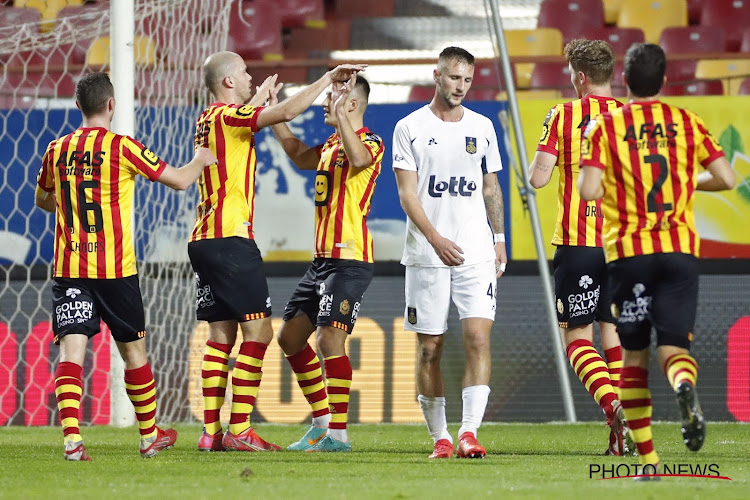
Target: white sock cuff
<point x="476" y="389"/>
<point x="431" y="400"/>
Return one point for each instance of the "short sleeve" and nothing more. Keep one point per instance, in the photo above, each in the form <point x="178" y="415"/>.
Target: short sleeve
<point x="491" y="161"/>
<point x="375" y="146"/>
<point x="594" y="149"/>
<point x="548" y="141"/>
<point x="46" y="178"/>
<point x="403" y="155"/>
<point x="142" y="160"/>
<point x="242" y="116"/>
<point x="708" y="149"/>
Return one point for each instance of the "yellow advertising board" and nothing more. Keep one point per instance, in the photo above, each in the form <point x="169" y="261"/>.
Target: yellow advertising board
<point x="722" y="218"/>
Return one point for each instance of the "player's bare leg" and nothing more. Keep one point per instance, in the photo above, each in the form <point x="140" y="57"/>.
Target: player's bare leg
<point x="293" y="339"/>
<point x="476" y="390"/>
<point x="682" y="372"/>
<point x="431" y="391"/>
<point x="246" y="377"/>
<point x="592" y="370"/>
<point x="332" y="345"/>
<point x="68" y="389"/>
<point x="141" y="389"/>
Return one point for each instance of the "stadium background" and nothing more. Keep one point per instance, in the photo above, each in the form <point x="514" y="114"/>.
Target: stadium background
<point x="401" y="40"/>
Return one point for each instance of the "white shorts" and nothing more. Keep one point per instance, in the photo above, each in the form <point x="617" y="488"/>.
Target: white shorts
<point x="430" y="289"/>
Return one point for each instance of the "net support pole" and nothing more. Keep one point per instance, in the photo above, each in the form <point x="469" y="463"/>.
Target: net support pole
<point x="560" y="359"/>
<point x="122" y="71"/>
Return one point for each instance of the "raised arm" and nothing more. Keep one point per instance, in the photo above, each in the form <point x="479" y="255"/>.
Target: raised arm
<point x="296" y="104"/>
<point x="719" y="176"/>
<point x="181" y="178"/>
<point x="306" y="158"/>
<point x="356" y="152"/>
<point x="495" y="208"/>
<point x="449" y="252"/>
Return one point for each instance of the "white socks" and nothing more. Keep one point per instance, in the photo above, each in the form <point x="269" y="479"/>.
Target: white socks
<point x="475" y="402"/>
<point x="339" y="435"/>
<point x="322" y="421"/>
<point x="433" y="409"/>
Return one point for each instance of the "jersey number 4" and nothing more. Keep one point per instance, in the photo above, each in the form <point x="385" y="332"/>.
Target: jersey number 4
<point x="87" y="210"/>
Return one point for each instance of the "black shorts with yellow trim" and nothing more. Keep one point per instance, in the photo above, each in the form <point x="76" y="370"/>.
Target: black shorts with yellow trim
<point x="582" y="293"/>
<point x="657" y="291"/>
<point x="330" y="293"/>
<point x="79" y="305"/>
<point x="230" y="282"/>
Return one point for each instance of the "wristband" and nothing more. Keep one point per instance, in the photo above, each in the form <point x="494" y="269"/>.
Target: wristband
<point x="502" y="266"/>
<point x="499" y="237"/>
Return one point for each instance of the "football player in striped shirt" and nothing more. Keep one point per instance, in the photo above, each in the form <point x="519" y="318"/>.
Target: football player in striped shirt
<point x="328" y="298"/>
<point x="231" y="286"/>
<point x="87" y="179"/>
<point x="579" y="268"/>
<point x="645" y="160"/>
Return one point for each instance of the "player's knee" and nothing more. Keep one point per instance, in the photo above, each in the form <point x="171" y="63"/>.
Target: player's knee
<point x="430" y="351"/>
<point x="477" y="343"/>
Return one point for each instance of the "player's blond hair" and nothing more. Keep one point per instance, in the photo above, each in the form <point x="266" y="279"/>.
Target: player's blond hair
<point x="594" y="58"/>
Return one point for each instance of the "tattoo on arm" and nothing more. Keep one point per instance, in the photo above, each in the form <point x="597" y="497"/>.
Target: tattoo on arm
<point x="541" y="166"/>
<point x="495" y="207"/>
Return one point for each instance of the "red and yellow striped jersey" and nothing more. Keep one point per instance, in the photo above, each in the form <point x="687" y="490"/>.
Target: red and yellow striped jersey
<point x="227" y="188"/>
<point x="92" y="174"/>
<point x="342" y="198"/>
<point x="649" y="152"/>
<point x="578" y="223"/>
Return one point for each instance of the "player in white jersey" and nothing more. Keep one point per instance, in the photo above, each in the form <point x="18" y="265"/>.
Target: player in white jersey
<point x="445" y="158"/>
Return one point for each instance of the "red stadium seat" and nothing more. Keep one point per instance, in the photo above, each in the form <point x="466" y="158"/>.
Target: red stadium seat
<point x="298" y="13"/>
<point x="422" y="93"/>
<point x="619" y="38"/>
<point x="255" y="32"/>
<point x="698" y="87"/>
<point x="362" y="8"/>
<point x="684" y="39"/>
<point x="680" y="70"/>
<point x="744" y="87"/>
<point x="488" y="75"/>
<point x="730" y="16"/>
<point x="335" y="36"/>
<point x="15" y="16"/>
<point x="745" y="47"/>
<point x="571" y="17"/>
<point x="551" y="76"/>
<point x="694" y="11"/>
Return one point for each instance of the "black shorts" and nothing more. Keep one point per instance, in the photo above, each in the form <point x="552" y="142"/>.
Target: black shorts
<point x="229" y="279"/>
<point x="581" y="288"/>
<point x="80" y="304"/>
<point x="330" y="293"/>
<point x="658" y="290"/>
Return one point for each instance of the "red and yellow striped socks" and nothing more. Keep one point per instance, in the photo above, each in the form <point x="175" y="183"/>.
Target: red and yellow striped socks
<point x="636" y="403"/>
<point x="681" y="368"/>
<point x="614" y="366"/>
<point x="68" y="389"/>
<point x="214" y="370"/>
<point x="141" y="389"/>
<point x="246" y="377"/>
<point x="306" y="367"/>
<point x="339" y="381"/>
<point x="593" y="372"/>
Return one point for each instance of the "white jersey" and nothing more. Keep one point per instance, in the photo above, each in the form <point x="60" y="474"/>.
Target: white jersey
<point x="450" y="159"/>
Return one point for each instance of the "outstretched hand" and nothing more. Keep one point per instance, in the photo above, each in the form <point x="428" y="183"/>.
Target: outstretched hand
<point x="264" y="90"/>
<point x="343" y="72"/>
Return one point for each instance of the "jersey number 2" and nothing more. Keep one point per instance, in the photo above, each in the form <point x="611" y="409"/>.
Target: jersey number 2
<point x="651" y="204"/>
<point x="84" y="207"/>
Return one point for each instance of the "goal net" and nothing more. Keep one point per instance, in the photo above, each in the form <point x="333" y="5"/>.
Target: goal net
<point x="42" y="61"/>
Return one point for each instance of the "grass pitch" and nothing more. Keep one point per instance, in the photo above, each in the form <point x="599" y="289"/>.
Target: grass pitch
<point x="535" y="461"/>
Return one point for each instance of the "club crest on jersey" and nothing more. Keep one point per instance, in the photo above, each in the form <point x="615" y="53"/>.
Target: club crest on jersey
<point x="411" y="315"/>
<point x="471" y="145"/>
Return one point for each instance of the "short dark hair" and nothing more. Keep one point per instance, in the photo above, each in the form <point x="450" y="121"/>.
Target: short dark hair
<point x="364" y="87"/>
<point x="456" y="54"/>
<point x="645" y="65"/>
<point x="594" y="58"/>
<point x="92" y="93"/>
